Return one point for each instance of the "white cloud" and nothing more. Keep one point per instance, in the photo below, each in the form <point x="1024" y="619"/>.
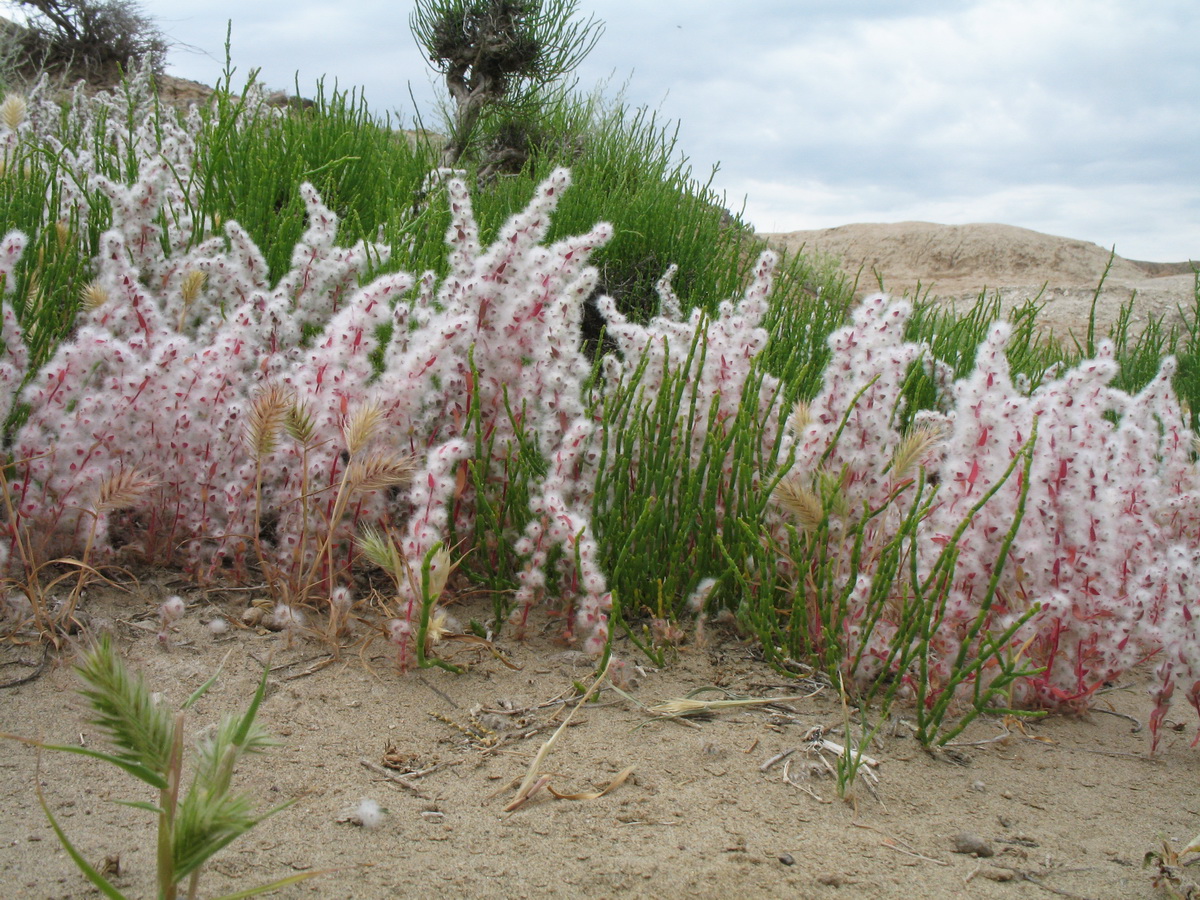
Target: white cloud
<point x="1076" y="115"/>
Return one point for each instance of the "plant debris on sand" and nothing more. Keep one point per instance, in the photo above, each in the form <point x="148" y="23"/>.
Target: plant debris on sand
<point x="1070" y="806"/>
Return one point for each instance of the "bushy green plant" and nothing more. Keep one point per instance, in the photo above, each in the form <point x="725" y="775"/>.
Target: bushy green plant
<point x="495" y="53"/>
<point x="640" y="481"/>
<point x="148" y="743"/>
<point x="92" y="39"/>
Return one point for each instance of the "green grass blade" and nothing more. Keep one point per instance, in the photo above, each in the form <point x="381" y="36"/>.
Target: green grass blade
<point x="137" y="770"/>
<point x="247" y="720"/>
<point x="203" y="689"/>
<point x="139" y="804"/>
<point x="275" y="885"/>
<point x="101" y="883"/>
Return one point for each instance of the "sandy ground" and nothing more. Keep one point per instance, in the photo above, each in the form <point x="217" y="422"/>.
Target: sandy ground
<point x="1069" y="807"/>
<point x="957" y="263"/>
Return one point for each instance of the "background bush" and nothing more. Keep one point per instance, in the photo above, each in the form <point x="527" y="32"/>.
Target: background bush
<point x="90" y="39"/>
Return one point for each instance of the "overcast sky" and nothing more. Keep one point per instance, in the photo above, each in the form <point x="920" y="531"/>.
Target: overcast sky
<point x="1079" y="118"/>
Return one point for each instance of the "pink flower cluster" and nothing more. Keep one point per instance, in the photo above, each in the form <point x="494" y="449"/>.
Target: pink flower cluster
<point x="163" y="372"/>
<point x="1109" y="546"/>
<point x="714" y="354"/>
<point x="184" y="333"/>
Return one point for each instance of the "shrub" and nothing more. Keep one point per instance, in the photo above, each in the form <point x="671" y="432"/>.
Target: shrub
<point x="217" y="409"/>
<point x="493" y="53"/>
<point x="94" y="40"/>
<point x="1093" y="582"/>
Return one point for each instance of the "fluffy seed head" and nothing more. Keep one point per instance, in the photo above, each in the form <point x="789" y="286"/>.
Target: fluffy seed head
<point x="266" y="417"/>
<point x="286" y="618"/>
<point x="379" y="470"/>
<point x="362" y="426"/>
<point x="172" y="610"/>
<point x="369" y="814"/>
<point x="399" y="631"/>
<point x="380" y="549"/>
<point x="441" y="623"/>
<point x="439" y="571"/>
<point x="12" y="111"/>
<point x="800" y="418"/>
<point x="913" y="449"/>
<point x="93" y="295"/>
<point x="298" y="423"/>
<point x="700" y="596"/>
<point x="341" y="599"/>
<point x="191" y="285"/>
<point x="121" y="490"/>
<point x="801" y="502"/>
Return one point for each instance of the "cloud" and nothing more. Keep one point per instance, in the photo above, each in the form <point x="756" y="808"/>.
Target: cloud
<point x="1063" y="116"/>
<point x="1082" y="114"/>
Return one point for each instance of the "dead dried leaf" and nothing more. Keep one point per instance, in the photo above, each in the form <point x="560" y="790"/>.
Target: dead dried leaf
<point x="596" y="795"/>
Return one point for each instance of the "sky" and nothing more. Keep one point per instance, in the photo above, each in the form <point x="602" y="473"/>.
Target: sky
<point x="1079" y="118"/>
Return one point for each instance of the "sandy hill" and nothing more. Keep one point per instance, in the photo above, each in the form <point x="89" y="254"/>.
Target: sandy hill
<point x="957" y="262"/>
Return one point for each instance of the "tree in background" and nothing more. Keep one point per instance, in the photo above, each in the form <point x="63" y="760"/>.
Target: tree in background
<point x="91" y="39"/>
<point x="496" y="53"/>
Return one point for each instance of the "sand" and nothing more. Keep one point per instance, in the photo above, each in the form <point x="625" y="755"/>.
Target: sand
<point x="957" y="263"/>
<point x="1065" y="806"/>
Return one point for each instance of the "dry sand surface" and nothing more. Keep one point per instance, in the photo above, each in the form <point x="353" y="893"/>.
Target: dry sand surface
<point x="1068" y="807"/>
<point x="956" y="263"/>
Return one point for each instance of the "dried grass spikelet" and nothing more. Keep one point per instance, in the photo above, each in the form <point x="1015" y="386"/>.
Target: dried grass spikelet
<point x="62" y="233"/>
<point x="913" y="449"/>
<point x="93" y="295"/>
<point x="266" y="417"/>
<point x="33" y="289"/>
<point x="13" y="111"/>
<point x="298" y="423"/>
<point x="362" y="425"/>
<point x="439" y="572"/>
<point x="800" y="418"/>
<point x="379" y="470"/>
<point x="441" y="624"/>
<point x="801" y="502"/>
<point x="380" y="549"/>
<point x="191" y="285"/>
<point x="121" y="490"/>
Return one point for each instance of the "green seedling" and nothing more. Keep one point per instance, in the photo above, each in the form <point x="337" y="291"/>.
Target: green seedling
<point x="148" y="743"/>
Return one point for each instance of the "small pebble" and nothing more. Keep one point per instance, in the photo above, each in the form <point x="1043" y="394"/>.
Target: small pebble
<point x="496" y="722"/>
<point x="968" y="842"/>
<point x="787" y="859"/>
<point x="994" y="874"/>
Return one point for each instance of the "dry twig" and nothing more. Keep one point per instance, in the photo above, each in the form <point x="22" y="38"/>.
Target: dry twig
<point x="394" y="778"/>
<point x="534" y="782"/>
